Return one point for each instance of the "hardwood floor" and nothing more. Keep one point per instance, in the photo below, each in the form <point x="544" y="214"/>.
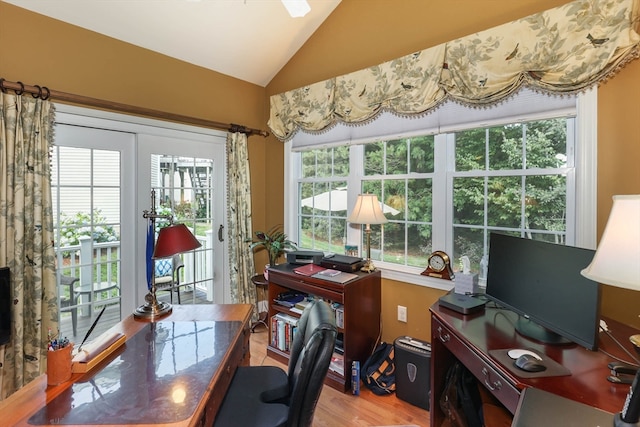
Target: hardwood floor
<point x="344" y="409"/>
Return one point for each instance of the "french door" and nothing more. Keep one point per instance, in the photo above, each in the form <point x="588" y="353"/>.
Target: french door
<point x="188" y="180"/>
<point x="104" y="167"/>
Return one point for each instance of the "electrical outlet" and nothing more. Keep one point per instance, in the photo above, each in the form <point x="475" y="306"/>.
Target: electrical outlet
<point x="402" y="313"/>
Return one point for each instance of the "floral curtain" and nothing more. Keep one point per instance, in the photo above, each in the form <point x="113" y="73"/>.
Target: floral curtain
<point x="26" y="234"/>
<point x="239" y="221"/>
<point x="563" y="50"/>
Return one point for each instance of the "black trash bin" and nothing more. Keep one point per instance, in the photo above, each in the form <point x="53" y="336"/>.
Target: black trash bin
<point x="413" y="371"/>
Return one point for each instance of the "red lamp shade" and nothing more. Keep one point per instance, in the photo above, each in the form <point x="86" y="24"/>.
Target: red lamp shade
<point x="174" y="239"/>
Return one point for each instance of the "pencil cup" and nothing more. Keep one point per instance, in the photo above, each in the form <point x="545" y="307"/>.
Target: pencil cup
<point x="59" y="365"/>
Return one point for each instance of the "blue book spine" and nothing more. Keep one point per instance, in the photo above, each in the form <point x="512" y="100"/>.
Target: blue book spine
<point x="355" y="377"/>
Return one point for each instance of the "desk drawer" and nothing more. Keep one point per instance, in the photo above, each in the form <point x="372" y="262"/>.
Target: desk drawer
<point x="492" y="380"/>
<point x="239" y="357"/>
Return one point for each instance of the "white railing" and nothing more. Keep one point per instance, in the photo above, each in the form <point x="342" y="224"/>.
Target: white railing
<point x="95" y="263"/>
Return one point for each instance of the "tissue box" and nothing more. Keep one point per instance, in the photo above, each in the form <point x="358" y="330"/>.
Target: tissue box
<point x="466" y="283"/>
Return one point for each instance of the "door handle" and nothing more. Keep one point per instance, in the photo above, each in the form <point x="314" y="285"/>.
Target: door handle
<point x="220" y="236"/>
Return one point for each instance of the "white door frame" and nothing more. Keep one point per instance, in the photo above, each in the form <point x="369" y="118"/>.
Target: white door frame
<point x="136" y="202"/>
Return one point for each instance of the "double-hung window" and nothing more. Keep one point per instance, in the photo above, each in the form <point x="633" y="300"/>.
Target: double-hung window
<point x="524" y="168"/>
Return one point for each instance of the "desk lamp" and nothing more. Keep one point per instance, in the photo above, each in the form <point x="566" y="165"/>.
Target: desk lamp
<point x="367" y="211"/>
<point x="173" y="239"/>
<point x="617" y="263"/>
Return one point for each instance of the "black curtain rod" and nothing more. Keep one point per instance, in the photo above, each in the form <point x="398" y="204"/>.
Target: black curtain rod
<point x="44" y="92"/>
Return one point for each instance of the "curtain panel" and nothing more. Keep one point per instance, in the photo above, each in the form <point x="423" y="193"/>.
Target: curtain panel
<point x="239" y="232"/>
<point x="26" y="235"/>
<point x="562" y="50"/>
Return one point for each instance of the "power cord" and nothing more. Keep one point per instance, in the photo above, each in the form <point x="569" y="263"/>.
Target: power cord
<point x="605" y="328"/>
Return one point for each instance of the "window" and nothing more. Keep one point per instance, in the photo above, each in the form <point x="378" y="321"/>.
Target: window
<point x="447" y="188"/>
<point x="323" y="199"/>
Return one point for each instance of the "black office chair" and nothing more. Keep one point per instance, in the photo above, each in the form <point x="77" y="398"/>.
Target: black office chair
<point x="266" y="396"/>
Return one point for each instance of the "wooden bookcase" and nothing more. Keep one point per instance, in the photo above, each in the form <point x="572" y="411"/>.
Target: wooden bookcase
<point x="361" y="300"/>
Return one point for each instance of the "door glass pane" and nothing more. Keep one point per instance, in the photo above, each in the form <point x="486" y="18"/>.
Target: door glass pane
<point x="184" y="189"/>
<point x="86" y="199"/>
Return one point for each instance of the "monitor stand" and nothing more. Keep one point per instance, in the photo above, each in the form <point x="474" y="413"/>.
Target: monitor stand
<point x="531" y="329"/>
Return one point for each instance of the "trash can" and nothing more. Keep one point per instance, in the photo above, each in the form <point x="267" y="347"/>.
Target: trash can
<point x="413" y="371"/>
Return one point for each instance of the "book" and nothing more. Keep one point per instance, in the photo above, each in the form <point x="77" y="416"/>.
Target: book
<point x="355" y="377"/>
<point x="337" y="363"/>
<point x="303" y="304"/>
<point x="329" y="272"/>
<point x="342" y="277"/>
<point x="283" y="330"/>
<point x="308" y="269"/>
<point x="289" y="299"/>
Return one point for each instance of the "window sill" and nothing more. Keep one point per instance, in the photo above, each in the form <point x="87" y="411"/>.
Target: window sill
<point x="412" y="276"/>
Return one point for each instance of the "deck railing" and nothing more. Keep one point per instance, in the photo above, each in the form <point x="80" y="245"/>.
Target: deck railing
<point x="95" y="263"/>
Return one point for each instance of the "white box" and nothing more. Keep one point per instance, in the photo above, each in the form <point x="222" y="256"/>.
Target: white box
<point x="466" y="284"/>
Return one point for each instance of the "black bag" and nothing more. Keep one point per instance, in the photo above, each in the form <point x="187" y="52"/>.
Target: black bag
<point x="460" y="400"/>
<point x="378" y="372"/>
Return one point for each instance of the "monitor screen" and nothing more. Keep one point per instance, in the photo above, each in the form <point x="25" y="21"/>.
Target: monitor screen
<point x="5" y="306"/>
<point x="542" y="283"/>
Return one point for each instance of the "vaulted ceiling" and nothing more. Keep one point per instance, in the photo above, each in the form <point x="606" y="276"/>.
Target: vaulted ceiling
<point x="247" y="39"/>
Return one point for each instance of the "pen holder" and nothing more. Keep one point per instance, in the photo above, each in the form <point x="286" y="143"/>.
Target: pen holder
<point x="59" y="365"/>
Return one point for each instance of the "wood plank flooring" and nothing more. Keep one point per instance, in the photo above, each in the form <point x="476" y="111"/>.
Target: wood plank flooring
<point x="336" y="409"/>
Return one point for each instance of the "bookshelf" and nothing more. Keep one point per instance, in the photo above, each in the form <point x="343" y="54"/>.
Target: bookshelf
<point x="360" y="300"/>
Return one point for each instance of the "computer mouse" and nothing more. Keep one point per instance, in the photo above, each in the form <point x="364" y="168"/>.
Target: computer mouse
<point x="517" y="352"/>
<point x="529" y="363"/>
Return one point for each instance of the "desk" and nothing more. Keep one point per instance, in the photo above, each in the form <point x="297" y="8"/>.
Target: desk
<point x="151" y="379"/>
<point x="470" y="338"/>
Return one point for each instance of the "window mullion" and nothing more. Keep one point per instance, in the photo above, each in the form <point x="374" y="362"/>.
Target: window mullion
<point x="442" y="193"/>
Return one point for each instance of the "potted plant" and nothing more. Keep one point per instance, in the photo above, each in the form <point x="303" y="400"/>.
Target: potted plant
<point x="275" y="242"/>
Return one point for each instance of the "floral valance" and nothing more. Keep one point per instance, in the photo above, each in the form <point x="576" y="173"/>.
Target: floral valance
<point x="562" y="50"/>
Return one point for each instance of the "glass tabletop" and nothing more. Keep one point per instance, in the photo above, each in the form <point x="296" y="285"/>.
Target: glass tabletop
<point x="159" y="377"/>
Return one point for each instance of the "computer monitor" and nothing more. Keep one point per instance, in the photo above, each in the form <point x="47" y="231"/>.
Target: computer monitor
<point x="542" y="283"/>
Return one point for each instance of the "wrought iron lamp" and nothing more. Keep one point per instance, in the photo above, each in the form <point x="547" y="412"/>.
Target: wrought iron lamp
<point x="367" y="211"/>
<point x="617" y="263"/>
<point x="173" y="239"/>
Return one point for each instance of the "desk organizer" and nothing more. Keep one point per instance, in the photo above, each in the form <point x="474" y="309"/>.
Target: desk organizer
<point x="94" y="353"/>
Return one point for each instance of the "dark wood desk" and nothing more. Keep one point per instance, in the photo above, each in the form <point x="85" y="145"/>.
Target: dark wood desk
<point x="171" y="372"/>
<point x="470" y="338"/>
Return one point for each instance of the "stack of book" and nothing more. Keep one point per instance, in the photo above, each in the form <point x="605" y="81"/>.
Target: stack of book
<point x="283" y="330"/>
<point x="337" y="363"/>
<point x="300" y="306"/>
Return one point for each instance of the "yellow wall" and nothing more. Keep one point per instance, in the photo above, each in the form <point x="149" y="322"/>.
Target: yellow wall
<point x="359" y="33"/>
<point x="43" y="51"/>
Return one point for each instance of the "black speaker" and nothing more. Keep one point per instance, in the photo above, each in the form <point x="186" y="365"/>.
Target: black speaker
<point x="5" y="305"/>
<point x="413" y="371"/>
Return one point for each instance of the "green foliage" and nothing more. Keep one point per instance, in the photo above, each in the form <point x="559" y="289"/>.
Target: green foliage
<point x="78" y="225"/>
<point x="274" y="241"/>
<point x="507" y="177"/>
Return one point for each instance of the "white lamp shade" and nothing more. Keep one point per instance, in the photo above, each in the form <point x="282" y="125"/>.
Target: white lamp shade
<point x="617" y="259"/>
<point x="367" y="211"/>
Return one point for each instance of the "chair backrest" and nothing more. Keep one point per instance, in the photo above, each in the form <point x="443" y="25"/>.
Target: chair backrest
<point x="309" y="361"/>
